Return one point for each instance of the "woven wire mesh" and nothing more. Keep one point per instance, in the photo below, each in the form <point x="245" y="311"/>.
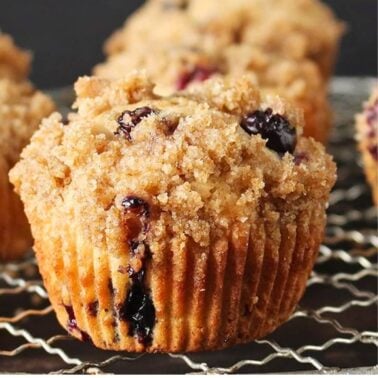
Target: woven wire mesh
<point x="333" y="329"/>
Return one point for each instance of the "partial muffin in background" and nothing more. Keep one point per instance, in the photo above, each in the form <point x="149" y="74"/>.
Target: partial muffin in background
<point x="297" y="29"/>
<point x="181" y="223"/>
<point x="176" y="68"/>
<point x="21" y="111"/>
<point x="367" y="136"/>
<point x="14" y="62"/>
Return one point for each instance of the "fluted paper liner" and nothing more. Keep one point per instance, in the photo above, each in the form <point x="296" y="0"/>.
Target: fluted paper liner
<point x="242" y="287"/>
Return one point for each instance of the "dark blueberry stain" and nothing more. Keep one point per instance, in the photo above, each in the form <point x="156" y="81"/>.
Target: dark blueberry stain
<point x="136" y="276"/>
<point x="138" y="309"/>
<point x="134" y="245"/>
<point x="111" y="287"/>
<point x="141" y="209"/>
<point x="93" y="308"/>
<point x="274" y="128"/>
<point x="136" y="205"/>
<point x="374" y="152"/>
<point x="198" y="74"/>
<point x="300" y="157"/>
<point x="72" y="325"/>
<point x="130" y="119"/>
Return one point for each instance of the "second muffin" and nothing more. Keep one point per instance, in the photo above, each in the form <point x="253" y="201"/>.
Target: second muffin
<point x="177" y="67"/>
<point x="184" y="223"/>
<point x="21" y="110"/>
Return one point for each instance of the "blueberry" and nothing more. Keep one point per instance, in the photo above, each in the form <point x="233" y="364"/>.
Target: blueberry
<point x="139" y="311"/>
<point x="131" y="118"/>
<point x="136" y="205"/>
<point x="280" y="135"/>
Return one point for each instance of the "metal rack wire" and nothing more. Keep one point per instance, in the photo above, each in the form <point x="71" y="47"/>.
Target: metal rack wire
<point x="333" y="330"/>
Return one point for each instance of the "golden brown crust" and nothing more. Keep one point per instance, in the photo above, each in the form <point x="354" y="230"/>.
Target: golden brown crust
<point x="367" y="136"/>
<point x="14" y="62"/>
<point x="21" y="110"/>
<point x="211" y="190"/>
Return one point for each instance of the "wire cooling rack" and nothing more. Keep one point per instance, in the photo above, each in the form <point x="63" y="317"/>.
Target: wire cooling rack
<point x="333" y="330"/>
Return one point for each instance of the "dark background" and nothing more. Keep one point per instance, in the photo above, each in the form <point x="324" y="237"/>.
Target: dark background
<point x="66" y="36"/>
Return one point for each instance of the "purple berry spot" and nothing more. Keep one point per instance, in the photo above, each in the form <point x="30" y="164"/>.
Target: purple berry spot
<point x="72" y="325"/>
<point x="280" y="135"/>
<point x="374" y="152"/>
<point x="138" y="309"/>
<point x="198" y="74"/>
<point x="93" y="308"/>
<point x="372" y="114"/>
<point x="300" y="157"/>
<point x="131" y="118"/>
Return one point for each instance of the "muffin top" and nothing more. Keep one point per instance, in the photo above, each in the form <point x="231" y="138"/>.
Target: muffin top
<point x="208" y="156"/>
<point x="176" y="68"/>
<point x="254" y="22"/>
<point x="367" y="123"/>
<point x="14" y="62"/>
<point x="21" y="110"/>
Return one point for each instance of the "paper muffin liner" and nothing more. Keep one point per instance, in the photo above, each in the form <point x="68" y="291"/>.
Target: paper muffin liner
<point x="240" y="288"/>
<point x="15" y="236"/>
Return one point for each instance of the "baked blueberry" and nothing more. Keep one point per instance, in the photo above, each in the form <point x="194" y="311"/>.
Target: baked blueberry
<point x="276" y="129"/>
<point x="139" y="311"/>
<point x="129" y="119"/>
<point x="136" y="205"/>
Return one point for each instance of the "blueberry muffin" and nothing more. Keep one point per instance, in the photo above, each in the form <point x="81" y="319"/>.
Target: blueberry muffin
<point x="14" y="62"/>
<point x="292" y="28"/>
<point x="176" y="68"/>
<point x="181" y="223"/>
<point x="367" y="136"/>
<point x="21" y="110"/>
